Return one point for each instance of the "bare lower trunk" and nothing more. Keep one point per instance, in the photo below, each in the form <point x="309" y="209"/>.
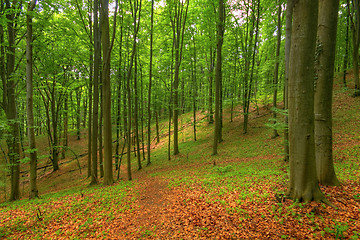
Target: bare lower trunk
<point x="303" y="181"/>
<point x="327" y="27"/>
<point x="105" y="38"/>
<point x="29" y="100"/>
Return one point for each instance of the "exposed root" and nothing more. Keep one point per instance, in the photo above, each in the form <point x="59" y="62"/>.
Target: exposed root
<point x="330" y="204"/>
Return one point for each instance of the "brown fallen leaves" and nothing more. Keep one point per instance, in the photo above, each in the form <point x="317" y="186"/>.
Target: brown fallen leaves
<point x="192" y="212"/>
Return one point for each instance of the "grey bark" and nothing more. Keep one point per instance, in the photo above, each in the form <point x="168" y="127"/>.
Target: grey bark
<point x="327" y="27"/>
<point x="303" y="181"/>
<point x="34" y="193"/>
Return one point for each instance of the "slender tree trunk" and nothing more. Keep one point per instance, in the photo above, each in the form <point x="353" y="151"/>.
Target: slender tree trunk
<point x="100" y="135"/>
<point x="221" y="110"/>
<point x="218" y="73"/>
<point x="276" y="71"/>
<point x="176" y="99"/>
<point x="346" y="56"/>
<point x="150" y="85"/>
<point x="95" y="111"/>
<point x="211" y="80"/>
<point x="29" y="100"/>
<point x="118" y="110"/>
<point x="136" y="10"/>
<point x="136" y="120"/>
<point x="90" y="96"/>
<point x="289" y="13"/>
<point x="142" y="110"/>
<point x="78" y="111"/>
<point x="249" y="45"/>
<point x="54" y="121"/>
<point x="355" y="26"/>
<point x="178" y="24"/>
<point x="251" y="80"/>
<point x="157" y="126"/>
<point x="303" y="181"/>
<point x="85" y="107"/>
<point x="66" y="114"/>
<point x="194" y="90"/>
<point x="170" y="101"/>
<point x="128" y="137"/>
<point x="327" y="27"/>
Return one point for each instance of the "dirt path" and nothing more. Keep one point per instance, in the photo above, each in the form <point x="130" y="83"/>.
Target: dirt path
<point x="149" y="217"/>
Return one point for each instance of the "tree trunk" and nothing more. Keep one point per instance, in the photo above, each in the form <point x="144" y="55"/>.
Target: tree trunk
<point x="289" y="13"/>
<point x="276" y="71"/>
<point x="157" y="126"/>
<point x="106" y="105"/>
<point x="136" y="120"/>
<point x="327" y="27"/>
<point x="346" y="56"/>
<point x="65" y="139"/>
<point x="95" y="111"/>
<point x="150" y="85"/>
<point x="118" y="110"/>
<point x="218" y="73"/>
<point x="194" y="87"/>
<point x="54" y="121"/>
<point x="78" y="111"/>
<point x="211" y="80"/>
<point x="9" y="103"/>
<point x="303" y="181"/>
<point x="176" y="101"/>
<point x="178" y="25"/>
<point x="356" y="41"/>
<point x="29" y="100"/>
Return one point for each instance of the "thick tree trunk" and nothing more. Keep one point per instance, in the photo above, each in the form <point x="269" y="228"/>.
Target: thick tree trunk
<point x="105" y="39"/>
<point x="9" y="103"/>
<point x="303" y="181"/>
<point x="327" y="27"/>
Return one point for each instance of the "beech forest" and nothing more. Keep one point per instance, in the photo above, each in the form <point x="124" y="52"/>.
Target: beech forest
<point x="179" y="119"/>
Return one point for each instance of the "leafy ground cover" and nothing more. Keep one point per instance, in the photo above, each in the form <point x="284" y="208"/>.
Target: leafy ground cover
<point x="241" y="196"/>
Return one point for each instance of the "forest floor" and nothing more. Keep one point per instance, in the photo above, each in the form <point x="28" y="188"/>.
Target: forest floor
<point x="190" y="197"/>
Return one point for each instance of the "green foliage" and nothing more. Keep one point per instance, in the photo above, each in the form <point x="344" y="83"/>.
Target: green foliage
<point x="277" y="124"/>
<point x="223" y="170"/>
<point x="338" y="229"/>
